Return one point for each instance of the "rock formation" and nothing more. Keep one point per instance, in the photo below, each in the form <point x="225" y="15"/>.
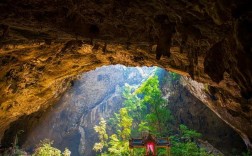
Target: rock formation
<point x="45" y="44"/>
<point x="189" y="110"/>
<point x="70" y="123"/>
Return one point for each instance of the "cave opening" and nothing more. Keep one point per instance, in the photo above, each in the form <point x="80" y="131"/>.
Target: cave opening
<point x="45" y="44"/>
<point x="100" y="93"/>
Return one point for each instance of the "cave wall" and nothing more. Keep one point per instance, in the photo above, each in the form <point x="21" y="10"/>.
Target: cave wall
<point x="98" y="93"/>
<point x="215" y="98"/>
<point x="210" y="41"/>
<point x="70" y="122"/>
<point x="190" y="111"/>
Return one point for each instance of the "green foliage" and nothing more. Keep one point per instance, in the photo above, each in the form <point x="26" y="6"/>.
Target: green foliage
<point x="139" y="151"/>
<point x="162" y="152"/>
<point x="124" y="124"/>
<point x="118" y="143"/>
<point x="188" y="134"/>
<point x="174" y="76"/>
<point x="143" y="126"/>
<point x="145" y="110"/>
<point x="184" y="144"/>
<point x="133" y="104"/>
<point x="66" y="152"/>
<point x="45" y="149"/>
<point x="248" y="153"/>
<point x="206" y="88"/>
<point x="185" y="149"/>
<point x="147" y="107"/>
<point x="103" y="136"/>
<point x="117" y="146"/>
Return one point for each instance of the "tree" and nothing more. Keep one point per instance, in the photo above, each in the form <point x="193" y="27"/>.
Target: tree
<point x="184" y="144"/>
<point x="103" y="136"/>
<point x="147" y="107"/>
<point x="45" y="149"/>
<point x="118" y="144"/>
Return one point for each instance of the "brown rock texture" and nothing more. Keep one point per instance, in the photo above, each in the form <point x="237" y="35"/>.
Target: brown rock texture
<point x="225" y="106"/>
<point x="187" y="109"/>
<point x="45" y="44"/>
<point x="70" y="121"/>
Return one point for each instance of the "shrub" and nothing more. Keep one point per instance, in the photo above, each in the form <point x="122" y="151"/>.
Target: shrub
<point x="45" y="149"/>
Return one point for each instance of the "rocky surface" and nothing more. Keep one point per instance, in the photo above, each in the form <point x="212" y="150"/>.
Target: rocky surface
<point x="210" y="41"/>
<point x="70" y="122"/>
<point x="215" y="98"/>
<point x="97" y="94"/>
<point x="188" y="110"/>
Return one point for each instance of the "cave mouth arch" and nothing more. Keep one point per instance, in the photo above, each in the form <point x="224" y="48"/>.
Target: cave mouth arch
<point x="35" y="74"/>
<point x="72" y="134"/>
<point x="32" y="74"/>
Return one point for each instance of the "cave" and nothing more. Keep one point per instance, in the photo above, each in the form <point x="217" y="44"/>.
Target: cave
<point x="97" y="94"/>
<point x="45" y="45"/>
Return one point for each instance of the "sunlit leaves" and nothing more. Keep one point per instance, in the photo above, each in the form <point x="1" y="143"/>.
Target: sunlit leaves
<point x="118" y="147"/>
<point x="146" y="110"/>
<point x="125" y="122"/>
<point x="45" y="149"/>
<point x="143" y="126"/>
<point x="146" y="105"/>
<point x="117" y="143"/>
<point x="103" y="136"/>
